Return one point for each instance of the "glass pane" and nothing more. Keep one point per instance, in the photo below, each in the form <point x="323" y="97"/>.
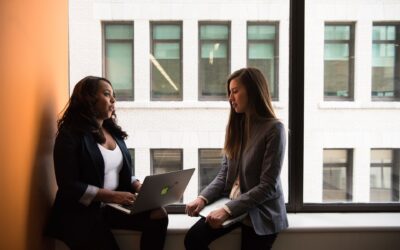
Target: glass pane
<point x="166" y="32"/>
<point x="214" y="31"/>
<point x="119" y="31"/>
<point x="384" y="61"/>
<point x="260" y="32"/>
<point x="337" y="32"/>
<point x="166" y="160"/>
<point x="209" y="165"/>
<point x="167" y="51"/>
<point x="119" y="65"/>
<point x="166" y="79"/>
<point x="261" y="51"/>
<point x="214" y="50"/>
<point x="349" y="53"/>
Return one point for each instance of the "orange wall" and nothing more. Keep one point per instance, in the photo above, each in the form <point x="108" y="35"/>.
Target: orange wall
<point x="33" y="89"/>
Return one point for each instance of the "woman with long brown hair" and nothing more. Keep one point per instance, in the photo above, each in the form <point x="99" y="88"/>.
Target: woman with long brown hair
<point x="250" y="173"/>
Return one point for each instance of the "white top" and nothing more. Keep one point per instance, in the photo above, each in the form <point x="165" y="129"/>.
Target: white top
<point x="113" y="161"/>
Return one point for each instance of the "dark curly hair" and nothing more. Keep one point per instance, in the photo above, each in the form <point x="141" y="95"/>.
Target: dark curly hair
<point x="80" y="114"/>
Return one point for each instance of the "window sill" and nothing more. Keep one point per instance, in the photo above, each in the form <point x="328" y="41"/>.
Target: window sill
<point x="180" y="105"/>
<point x="358" y="105"/>
<point x="309" y="222"/>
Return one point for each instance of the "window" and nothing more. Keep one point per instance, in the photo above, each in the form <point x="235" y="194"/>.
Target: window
<point x="338" y="62"/>
<point x="385" y="62"/>
<point x="209" y="166"/>
<point x="118" y="58"/>
<point x="214" y="60"/>
<point x="166" y="160"/>
<point x="262" y="52"/>
<point x="132" y="153"/>
<point x="337" y="175"/>
<point x="166" y="61"/>
<point x="384" y="175"/>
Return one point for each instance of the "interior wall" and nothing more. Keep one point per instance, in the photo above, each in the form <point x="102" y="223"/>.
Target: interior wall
<point x="33" y="90"/>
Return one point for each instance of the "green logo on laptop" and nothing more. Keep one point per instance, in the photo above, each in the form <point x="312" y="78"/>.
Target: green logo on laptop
<point x="164" y="191"/>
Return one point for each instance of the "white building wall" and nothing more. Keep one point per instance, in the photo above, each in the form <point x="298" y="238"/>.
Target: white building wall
<point x="190" y="124"/>
<point x="361" y="124"/>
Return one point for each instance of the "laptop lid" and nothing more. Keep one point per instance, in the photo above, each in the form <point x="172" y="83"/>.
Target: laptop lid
<point x="159" y="190"/>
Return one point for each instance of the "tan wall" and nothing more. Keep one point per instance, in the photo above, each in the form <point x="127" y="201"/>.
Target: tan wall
<point x="33" y="89"/>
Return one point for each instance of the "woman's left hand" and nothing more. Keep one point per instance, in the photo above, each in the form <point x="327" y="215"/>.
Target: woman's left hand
<point x="217" y="217"/>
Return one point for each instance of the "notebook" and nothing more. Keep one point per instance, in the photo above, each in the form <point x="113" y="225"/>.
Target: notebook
<point x="219" y="204"/>
<point x="158" y="190"/>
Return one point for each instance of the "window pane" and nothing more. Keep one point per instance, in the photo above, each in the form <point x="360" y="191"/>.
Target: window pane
<point x="261" y="32"/>
<point x="166" y="64"/>
<point x="166" y="160"/>
<point x="214" y="61"/>
<point x="384" y="182"/>
<point x="118" y="31"/>
<point x="350" y="61"/>
<point x="118" y="58"/>
<point x="119" y="62"/>
<point x="262" y="43"/>
<point x="336" y="176"/>
<point x="385" y="61"/>
<point x="337" y="63"/>
<point x="214" y="31"/>
<point x="209" y="165"/>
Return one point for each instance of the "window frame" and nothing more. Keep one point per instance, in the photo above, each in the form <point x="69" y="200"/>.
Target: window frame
<point x="126" y="95"/>
<point x="275" y="42"/>
<point x="152" y="43"/>
<point x="201" y="97"/>
<point x="351" y="43"/>
<point x="396" y="66"/>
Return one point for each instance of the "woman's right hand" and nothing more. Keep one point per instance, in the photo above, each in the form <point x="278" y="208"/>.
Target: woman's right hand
<point x="123" y="198"/>
<point x="109" y="196"/>
<point x="193" y="208"/>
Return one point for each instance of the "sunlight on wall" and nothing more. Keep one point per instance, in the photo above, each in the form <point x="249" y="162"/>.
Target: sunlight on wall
<point x="34" y="88"/>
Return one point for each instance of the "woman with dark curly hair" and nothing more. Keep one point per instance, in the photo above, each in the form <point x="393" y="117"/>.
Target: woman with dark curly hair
<point x="250" y="171"/>
<point x="93" y="167"/>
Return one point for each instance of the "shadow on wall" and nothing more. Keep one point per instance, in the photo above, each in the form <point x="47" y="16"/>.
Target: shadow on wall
<point x="43" y="184"/>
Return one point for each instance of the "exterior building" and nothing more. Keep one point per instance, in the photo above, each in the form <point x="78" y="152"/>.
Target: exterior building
<point x="168" y="61"/>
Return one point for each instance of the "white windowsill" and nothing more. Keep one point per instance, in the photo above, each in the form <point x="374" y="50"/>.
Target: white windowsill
<point x="309" y="222"/>
<point x="358" y="105"/>
<point x="180" y="105"/>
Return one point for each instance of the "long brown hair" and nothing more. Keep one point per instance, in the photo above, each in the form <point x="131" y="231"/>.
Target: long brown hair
<point x="80" y="113"/>
<point x="237" y="130"/>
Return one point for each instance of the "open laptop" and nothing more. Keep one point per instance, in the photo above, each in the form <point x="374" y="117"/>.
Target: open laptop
<point x="158" y="190"/>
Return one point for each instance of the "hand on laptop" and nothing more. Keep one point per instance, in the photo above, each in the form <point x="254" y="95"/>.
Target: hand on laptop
<point x="137" y="185"/>
<point x="193" y="208"/>
<point x="217" y="217"/>
<point x="123" y="198"/>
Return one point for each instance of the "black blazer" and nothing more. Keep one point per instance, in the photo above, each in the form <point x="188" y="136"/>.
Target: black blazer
<point x="78" y="162"/>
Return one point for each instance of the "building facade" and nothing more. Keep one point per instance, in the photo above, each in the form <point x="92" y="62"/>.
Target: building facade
<point x="168" y="61"/>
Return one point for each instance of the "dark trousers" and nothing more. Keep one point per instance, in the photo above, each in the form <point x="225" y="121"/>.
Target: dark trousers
<point x="200" y="235"/>
<point x="100" y="237"/>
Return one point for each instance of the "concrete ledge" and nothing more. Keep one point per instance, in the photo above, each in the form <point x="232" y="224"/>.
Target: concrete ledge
<point x="355" y="231"/>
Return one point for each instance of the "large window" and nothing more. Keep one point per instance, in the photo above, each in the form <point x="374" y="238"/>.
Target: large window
<point x="118" y="57"/>
<point x="337" y="175"/>
<point x="209" y="165"/>
<point x="385" y="165"/>
<point x="214" y="60"/>
<point x="166" y="61"/>
<point x="338" y="61"/>
<point x="262" y="52"/>
<point x="166" y="160"/>
<point x="385" y="62"/>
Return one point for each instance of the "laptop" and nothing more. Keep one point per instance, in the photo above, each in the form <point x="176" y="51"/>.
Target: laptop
<point x="157" y="191"/>
<point x="219" y="204"/>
